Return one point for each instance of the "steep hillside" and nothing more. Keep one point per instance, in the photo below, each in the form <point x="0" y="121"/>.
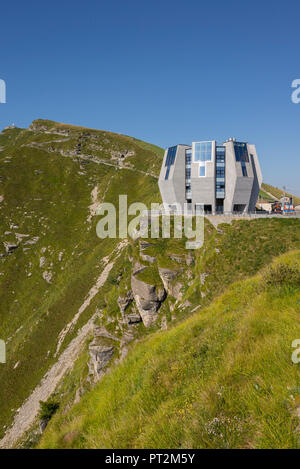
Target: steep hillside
<point x="73" y="305"/>
<point x="51" y="177"/>
<point x="276" y="193"/>
<point x="222" y="379"/>
<point x="188" y="281"/>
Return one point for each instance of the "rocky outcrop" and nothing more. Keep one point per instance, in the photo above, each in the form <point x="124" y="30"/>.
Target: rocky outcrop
<point x="121" y="155"/>
<point x="100" y="355"/>
<point x="102" y="332"/>
<point x="203" y="277"/>
<point x="43" y="424"/>
<point x="104" y="347"/>
<point x="101" y="351"/>
<point x="138" y="268"/>
<point x="189" y="259"/>
<point x="148" y="299"/>
<point x="148" y="258"/>
<point x="176" y="258"/>
<point x="47" y="275"/>
<point x="125" y="301"/>
<point x="133" y="318"/>
<point x="10" y="247"/>
<point x="144" y="244"/>
<point x="168" y="278"/>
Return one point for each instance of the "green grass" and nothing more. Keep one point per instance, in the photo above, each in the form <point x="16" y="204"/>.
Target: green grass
<point x="223" y="378"/>
<point x="47" y="187"/>
<point x="47" y="195"/>
<point x="278" y="193"/>
<point x="264" y="196"/>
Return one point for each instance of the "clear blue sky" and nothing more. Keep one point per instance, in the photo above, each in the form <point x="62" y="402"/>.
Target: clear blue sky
<point x="164" y="71"/>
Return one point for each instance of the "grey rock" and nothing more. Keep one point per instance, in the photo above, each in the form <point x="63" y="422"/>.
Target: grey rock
<point x="102" y="332"/>
<point x="133" y="318"/>
<point x="43" y="424"/>
<point x="137" y="268"/>
<point x="144" y="244"/>
<point x="168" y="276"/>
<point x="47" y="275"/>
<point x="189" y="259"/>
<point x="100" y="356"/>
<point x="10" y="247"/>
<point x="33" y="240"/>
<point x="148" y="258"/>
<point x="176" y="258"/>
<point x="148" y="299"/>
<point x="125" y="301"/>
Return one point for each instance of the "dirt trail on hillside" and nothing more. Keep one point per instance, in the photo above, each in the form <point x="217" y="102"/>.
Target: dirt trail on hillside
<point x="96" y="160"/>
<point x="269" y="194"/>
<point x="30" y="409"/>
<point x="93" y="292"/>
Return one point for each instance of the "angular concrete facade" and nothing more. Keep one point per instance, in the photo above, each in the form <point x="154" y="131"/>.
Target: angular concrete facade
<point x="211" y="178"/>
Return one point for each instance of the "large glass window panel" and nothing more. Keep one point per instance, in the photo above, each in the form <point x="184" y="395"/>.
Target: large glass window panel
<point x="203" y="151"/>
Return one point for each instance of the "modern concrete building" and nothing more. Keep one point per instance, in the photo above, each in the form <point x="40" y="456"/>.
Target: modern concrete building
<point x="211" y="178"/>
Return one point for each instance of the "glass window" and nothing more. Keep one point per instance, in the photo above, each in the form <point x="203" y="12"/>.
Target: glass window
<point x="203" y="151"/>
<point x="170" y="160"/>
<point x="201" y="171"/>
<point x="241" y="152"/>
<point x="171" y="156"/>
<point x="220" y="175"/>
<point x="220" y="155"/>
<point x="188" y="155"/>
<point x="244" y="169"/>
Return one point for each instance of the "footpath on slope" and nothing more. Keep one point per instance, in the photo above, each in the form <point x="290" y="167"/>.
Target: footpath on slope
<point x="30" y="408"/>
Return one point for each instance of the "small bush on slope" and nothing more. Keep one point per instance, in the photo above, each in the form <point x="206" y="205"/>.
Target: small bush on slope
<point x="221" y="379"/>
<point x="48" y="409"/>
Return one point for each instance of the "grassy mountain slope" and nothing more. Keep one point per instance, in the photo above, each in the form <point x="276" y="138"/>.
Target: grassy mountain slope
<point x="229" y="253"/>
<point x="223" y="378"/>
<point x="48" y="174"/>
<point x="52" y="176"/>
<point x="277" y="193"/>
